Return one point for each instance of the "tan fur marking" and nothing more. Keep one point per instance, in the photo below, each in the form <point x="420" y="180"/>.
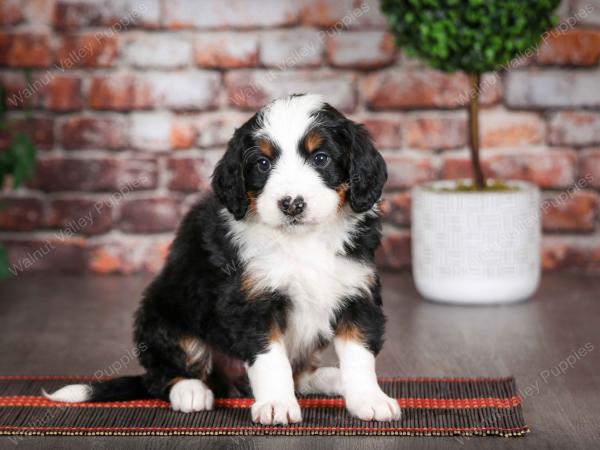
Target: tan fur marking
<point x="175" y="380"/>
<point x="342" y="192"/>
<point x="276" y="334"/>
<point x="313" y="141"/>
<point x="349" y="331"/>
<point x="266" y="148"/>
<point x="197" y="355"/>
<point x="252" y="202"/>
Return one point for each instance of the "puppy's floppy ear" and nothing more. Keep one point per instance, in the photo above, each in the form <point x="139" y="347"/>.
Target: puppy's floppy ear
<point x="228" y="178"/>
<point x="368" y="172"/>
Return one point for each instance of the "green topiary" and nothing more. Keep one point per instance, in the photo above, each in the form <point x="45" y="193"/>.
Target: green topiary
<point x="17" y="161"/>
<point x="474" y="36"/>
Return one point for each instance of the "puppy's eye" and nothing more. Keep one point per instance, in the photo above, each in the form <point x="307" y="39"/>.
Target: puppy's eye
<point x="263" y="164"/>
<point x="321" y="159"/>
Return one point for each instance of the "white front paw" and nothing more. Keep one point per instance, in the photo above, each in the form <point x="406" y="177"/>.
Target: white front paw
<point x="374" y="405"/>
<point x="191" y="395"/>
<point x="276" y="411"/>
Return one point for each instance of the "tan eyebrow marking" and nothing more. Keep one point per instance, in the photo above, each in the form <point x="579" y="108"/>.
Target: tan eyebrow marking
<point x="313" y="141"/>
<point x="266" y="148"/>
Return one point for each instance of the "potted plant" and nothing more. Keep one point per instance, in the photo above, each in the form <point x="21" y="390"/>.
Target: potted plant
<point x="473" y="241"/>
<point x="17" y="162"/>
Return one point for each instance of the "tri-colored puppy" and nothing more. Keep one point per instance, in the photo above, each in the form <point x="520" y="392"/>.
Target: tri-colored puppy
<point x="266" y="272"/>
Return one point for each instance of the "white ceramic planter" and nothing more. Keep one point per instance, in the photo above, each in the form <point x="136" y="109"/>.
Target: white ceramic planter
<point x="472" y="247"/>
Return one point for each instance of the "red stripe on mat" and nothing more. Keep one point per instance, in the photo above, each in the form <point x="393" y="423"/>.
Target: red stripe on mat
<point x="424" y="403"/>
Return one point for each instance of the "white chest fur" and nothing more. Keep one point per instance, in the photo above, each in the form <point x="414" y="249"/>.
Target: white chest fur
<point x="310" y="268"/>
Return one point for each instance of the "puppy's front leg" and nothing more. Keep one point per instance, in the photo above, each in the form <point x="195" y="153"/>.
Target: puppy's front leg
<point x="273" y="387"/>
<point x="364" y="398"/>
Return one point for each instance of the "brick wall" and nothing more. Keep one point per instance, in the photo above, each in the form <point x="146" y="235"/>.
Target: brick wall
<point x="134" y="102"/>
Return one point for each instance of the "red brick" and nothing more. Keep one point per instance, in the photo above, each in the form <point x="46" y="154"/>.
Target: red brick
<point x="87" y="50"/>
<point x="570" y="210"/>
<point x="190" y="174"/>
<point x="86" y="132"/>
<point x="435" y="131"/>
<point x="149" y="215"/>
<point x="405" y="169"/>
<point x="589" y="167"/>
<point x="571" y="253"/>
<point x="39" y="129"/>
<point x="159" y="50"/>
<point x="128" y="254"/>
<point x="95" y="174"/>
<point x="183" y="134"/>
<point x="394" y="252"/>
<point x="56" y="254"/>
<point x="395" y="207"/>
<point x="63" y="94"/>
<point x="326" y="13"/>
<point x="117" y="16"/>
<point x="10" y="12"/>
<point x="25" y="50"/>
<point x="501" y="128"/>
<point x="79" y="216"/>
<point x="386" y="131"/>
<point x="575" y="128"/>
<point x="232" y="14"/>
<point x="577" y="47"/>
<point x="120" y="92"/>
<point x="20" y="213"/>
<point x="250" y="90"/>
<point x="552" y="88"/>
<point x="361" y="49"/>
<point x="548" y="168"/>
<point x="215" y="129"/>
<point x="226" y="50"/>
<point x="408" y="89"/>
<point x="338" y="14"/>
<point x="287" y="49"/>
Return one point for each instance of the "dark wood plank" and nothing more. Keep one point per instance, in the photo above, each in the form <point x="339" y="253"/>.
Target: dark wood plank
<point x="58" y="325"/>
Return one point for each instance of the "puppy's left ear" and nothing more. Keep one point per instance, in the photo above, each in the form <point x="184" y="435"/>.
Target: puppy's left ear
<point x="368" y="172"/>
<point x="228" y="178"/>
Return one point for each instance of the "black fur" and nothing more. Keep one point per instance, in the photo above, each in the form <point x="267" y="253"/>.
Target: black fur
<point x="200" y="292"/>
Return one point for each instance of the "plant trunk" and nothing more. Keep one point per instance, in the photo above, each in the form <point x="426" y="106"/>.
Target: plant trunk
<point x="478" y="178"/>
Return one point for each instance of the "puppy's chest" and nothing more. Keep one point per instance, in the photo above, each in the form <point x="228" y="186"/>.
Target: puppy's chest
<point x="316" y="278"/>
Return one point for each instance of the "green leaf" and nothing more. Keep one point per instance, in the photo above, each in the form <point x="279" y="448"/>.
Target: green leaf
<point x="23" y="158"/>
<point x="4" y="263"/>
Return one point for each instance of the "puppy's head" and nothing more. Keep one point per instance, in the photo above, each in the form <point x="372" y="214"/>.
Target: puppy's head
<point x="299" y="162"/>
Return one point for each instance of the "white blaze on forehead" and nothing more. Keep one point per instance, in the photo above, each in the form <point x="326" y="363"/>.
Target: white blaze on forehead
<point x="285" y="121"/>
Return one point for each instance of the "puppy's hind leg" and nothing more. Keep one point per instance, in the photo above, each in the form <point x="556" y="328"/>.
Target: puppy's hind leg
<point x="323" y="380"/>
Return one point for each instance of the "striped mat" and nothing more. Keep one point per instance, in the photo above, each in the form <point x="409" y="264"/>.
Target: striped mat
<point x="430" y="407"/>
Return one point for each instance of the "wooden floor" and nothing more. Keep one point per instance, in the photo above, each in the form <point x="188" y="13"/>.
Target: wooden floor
<point x="63" y="325"/>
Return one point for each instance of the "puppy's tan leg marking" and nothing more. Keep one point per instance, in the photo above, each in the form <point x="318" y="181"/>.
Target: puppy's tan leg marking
<point x="197" y="356"/>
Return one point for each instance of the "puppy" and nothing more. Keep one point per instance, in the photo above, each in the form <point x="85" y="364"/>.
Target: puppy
<point x="266" y="272"/>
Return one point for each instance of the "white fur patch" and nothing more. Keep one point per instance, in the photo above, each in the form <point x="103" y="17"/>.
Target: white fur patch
<point x="324" y="380"/>
<point x="191" y="395"/>
<point x="364" y="398"/>
<point x="71" y="393"/>
<point x="273" y="388"/>
<point x="308" y="266"/>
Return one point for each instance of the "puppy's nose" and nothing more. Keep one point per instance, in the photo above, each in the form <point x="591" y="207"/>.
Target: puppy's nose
<point x="292" y="207"/>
